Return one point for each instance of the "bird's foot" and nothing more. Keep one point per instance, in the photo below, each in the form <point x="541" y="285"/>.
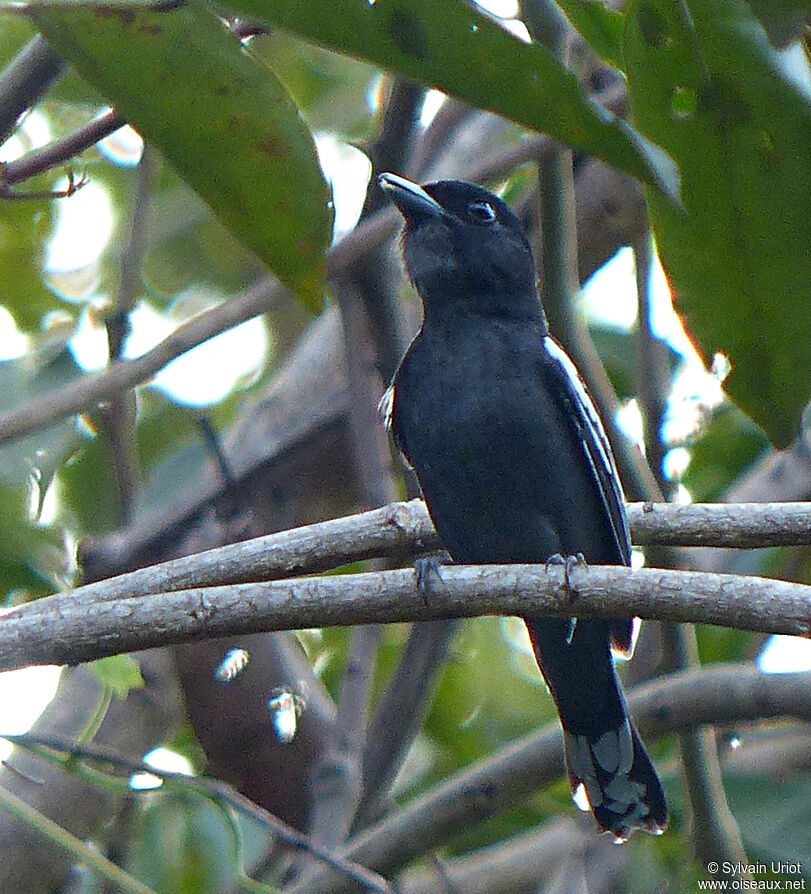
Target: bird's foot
<point x="426" y="567"/>
<point x="568" y="562"/>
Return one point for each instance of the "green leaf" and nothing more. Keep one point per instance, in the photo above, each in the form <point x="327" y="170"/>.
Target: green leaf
<point x="729" y="444"/>
<point x="448" y="44"/>
<point x="219" y="116"/>
<point x="600" y="25"/>
<point x="89" y="502"/>
<point x="714" y="92"/>
<point x="34" y="557"/>
<point x="22" y="227"/>
<point x="121" y="673"/>
<point x="330" y="89"/>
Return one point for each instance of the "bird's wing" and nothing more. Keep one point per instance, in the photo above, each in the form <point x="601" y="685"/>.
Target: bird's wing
<point x="597" y="449"/>
<point x="386" y="410"/>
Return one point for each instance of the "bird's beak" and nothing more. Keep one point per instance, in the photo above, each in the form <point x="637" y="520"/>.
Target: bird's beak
<point x="410" y="198"/>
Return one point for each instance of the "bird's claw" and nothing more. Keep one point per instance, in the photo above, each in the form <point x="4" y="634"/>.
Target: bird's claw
<point x="424" y="568"/>
<point x="568" y="562"/>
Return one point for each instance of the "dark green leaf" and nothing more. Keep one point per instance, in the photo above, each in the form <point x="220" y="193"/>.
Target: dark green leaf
<point x="728" y="445"/>
<point x="40" y="372"/>
<point x="21" y="250"/>
<point x="448" y="44"/>
<point x="775" y="821"/>
<point x="219" y="116"/>
<point x="183" y="845"/>
<point x="331" y="90"/>
<point x="714" y="92"/>
<point x="89" y="500"/>
<point x="33" y="557"/>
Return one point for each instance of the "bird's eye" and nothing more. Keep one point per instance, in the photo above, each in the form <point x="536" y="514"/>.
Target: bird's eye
<point x="481" y="212"/>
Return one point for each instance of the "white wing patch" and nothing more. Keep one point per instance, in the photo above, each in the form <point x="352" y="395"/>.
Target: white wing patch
<point x="586" y="404"/>
<point x="599" y="441"/>
<point x="385" y="408"/>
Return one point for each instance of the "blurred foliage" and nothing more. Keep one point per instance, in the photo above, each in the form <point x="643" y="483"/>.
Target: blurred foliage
<point x="738" y="256"/>
<point x="711" y="91"/>
<point x="728" y="444"/>
<point x="185" y="844"/>
<point x="775" y="820"/>
<point x="120" y="673"/>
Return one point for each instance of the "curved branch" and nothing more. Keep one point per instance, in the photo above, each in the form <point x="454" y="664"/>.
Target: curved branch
<point x="68" y="755"/>
<point x="40" y="160"/>
<point x="74" y="633"/>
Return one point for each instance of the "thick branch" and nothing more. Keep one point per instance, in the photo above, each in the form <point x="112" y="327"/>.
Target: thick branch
<point x="402" y="530"/>
<point x="85" y="632"/>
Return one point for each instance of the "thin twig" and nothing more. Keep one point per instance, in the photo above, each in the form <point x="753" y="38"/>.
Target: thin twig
<point x="714" y="832"/>
<point x="337" y="775"/>
<point x="400" y="713"/>
<point x="73" y="186"/>
<point x="652" y="371"/>
<point x="124" y="374"/>
<point x="520" y="863"/>
<point x="119" y="414"/>
<point x="41" y="160"/>
<point x="67" y="752"/>
<point x="80" y="850"/>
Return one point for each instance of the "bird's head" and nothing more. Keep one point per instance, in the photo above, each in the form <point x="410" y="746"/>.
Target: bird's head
<point x="464" y="249"/>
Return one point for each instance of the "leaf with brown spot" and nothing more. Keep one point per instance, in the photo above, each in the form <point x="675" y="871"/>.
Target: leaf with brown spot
<point x="191" y="89"/>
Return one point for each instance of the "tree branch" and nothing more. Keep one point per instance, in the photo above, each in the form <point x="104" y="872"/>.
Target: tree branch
<point x="730" y="693"/>
<point x="40" y="160"/>
<point x="125" y="374"/>
<point x="24" y="80"/>
<point x="402" y="530"/>
<point x="72" y="634"/>
<point x="67" y="754"/>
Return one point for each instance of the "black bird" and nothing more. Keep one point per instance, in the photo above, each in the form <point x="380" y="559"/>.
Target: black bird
<point x="514" y="465"/>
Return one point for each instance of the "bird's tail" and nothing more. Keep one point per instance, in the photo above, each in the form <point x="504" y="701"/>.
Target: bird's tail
<point x="614" y="778"/>
<point x="609" y="769"/>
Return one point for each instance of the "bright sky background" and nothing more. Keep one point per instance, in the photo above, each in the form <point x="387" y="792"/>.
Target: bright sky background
<point x="204" y="376"/>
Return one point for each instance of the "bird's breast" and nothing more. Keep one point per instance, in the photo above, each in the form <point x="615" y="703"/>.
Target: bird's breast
<point x="498" y="458"/>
